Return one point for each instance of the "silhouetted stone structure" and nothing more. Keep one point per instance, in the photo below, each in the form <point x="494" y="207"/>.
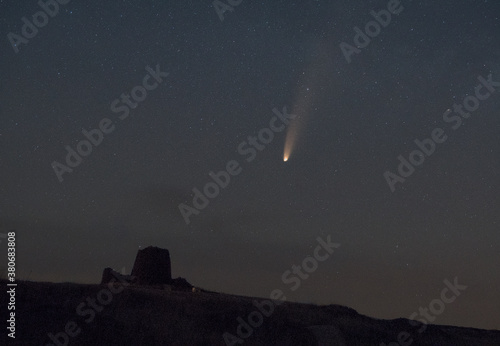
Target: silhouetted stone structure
<point x="152" y="266"/>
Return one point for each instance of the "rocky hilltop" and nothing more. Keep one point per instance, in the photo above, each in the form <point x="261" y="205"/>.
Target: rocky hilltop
<point x="148" y="307"/>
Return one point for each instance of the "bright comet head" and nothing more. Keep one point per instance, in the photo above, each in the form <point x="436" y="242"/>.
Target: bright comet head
<point x="285" y="158"/>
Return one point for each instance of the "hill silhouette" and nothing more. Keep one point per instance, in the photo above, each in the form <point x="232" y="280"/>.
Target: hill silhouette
<point x="78" y="314"/>
<point x="148" y="307"/>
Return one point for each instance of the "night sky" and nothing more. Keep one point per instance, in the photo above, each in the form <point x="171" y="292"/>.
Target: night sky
<point x="352" y="122"/>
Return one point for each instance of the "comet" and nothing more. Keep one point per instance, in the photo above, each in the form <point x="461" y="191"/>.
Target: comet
<point x="310" y="83"/>
<point x="302" y="109"/>
<point x="291" y="136"/>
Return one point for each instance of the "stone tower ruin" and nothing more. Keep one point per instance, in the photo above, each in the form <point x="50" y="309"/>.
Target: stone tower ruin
<point x="152" y="266"/>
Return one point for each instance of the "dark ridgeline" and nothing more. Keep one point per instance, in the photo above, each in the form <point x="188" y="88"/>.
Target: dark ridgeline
<point x="151" y="308"/>
<point x="153" y="316"/>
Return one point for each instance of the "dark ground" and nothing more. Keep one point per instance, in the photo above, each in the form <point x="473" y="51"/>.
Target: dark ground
<point x="163" y="315"/>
